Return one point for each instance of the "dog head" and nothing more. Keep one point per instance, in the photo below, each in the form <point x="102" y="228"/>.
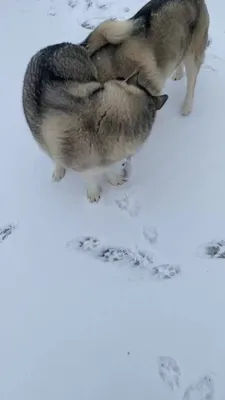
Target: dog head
<point x="129" y="84"/>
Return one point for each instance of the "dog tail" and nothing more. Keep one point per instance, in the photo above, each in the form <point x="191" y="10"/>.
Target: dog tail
<point x="110" y="31"/>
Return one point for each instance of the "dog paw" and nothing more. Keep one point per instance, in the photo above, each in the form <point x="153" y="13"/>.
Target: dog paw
<point x="169" y="372"/>
<point x="201" y="390"/>
<point x="187" y="108"/>
<point x="127" y="168"/>
<point x="116" y="179"/>
<point x="94" y="194"/>
<point x="165" y="271"/>
<point x="213" y="249"/>
<point x="86" y="243"/>
<point x="178" y="75"/>
<point x="150" y="234"/>
<point x="58" y="174"/>
<point x="6" y="231"/>
<point x="113" y="254"/>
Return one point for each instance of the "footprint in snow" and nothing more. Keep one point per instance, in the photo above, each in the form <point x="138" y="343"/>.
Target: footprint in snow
<point x="203" y="389"/>
<point x="72" y="3"/>
<point x="142" y="260"/>
<point x="87" y="243"/>
<point x="135" y="259"/>
<point x="114" y="254"/>
<point x="169" y="372"/>
<point x="165" y="271"/>
<point x="89" y="4"/>
<point x="6" y="231"/>
<point x="108" y="254"/>
<point x="103" y="6"/>
<point x="213" y="249"/>
<point x="150" y="233"/>
<point x="128" y="204"/>
<point x="88" y="25"/>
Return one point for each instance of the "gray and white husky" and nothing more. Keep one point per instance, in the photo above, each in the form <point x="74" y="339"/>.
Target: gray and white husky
<point x="160" y="38"/>
<point x="81" y="123"/>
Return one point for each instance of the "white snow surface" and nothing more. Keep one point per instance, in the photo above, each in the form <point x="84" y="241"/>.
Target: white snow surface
<point x="123" y="299"/>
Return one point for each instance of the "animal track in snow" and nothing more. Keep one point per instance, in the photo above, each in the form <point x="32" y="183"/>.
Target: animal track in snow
<point x="72" y="3"/>
<point x="138" y="259"/>
<point x="169" y="372"/>
<point x="89" y="4"/>
<point x="213" y="249"/>
<point x="88" y="25"/>
<point x="114" y="254"/>
<point x="141" y="259"/>
<point x="165" y="271"/>
<point x="6" y="231"/>
<point x="203" y="389"/>
<point x="87" y="243"/>
<point x="150" y="234"/>
<point x="128" y="204"/>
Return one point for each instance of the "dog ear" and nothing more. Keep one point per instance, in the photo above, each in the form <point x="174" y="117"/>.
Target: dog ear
<point x="131" y="77"/>
<point x="160" y="101"/>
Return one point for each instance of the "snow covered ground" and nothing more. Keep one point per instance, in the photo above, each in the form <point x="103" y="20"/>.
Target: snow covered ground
<point x="123" y="299"/>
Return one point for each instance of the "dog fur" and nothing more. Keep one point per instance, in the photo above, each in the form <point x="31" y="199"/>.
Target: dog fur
<point x="167" y="35"/>
<point x="81" y="123"/>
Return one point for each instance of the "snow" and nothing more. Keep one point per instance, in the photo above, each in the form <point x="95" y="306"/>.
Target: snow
<point x="123" y="299"/>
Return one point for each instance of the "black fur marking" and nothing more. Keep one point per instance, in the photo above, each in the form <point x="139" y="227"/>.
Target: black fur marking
<point x="48" y="72"/>
<point x="146" y="12"/>
<point x="152" y="7"/>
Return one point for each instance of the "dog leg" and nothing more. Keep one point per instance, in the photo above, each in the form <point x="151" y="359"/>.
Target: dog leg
<point x="192" y="66"/>
<point x="93" y="188"/>
<point x="58" y="173"/>
<point x="179" y="73"/>
<point x="116" y="174"/>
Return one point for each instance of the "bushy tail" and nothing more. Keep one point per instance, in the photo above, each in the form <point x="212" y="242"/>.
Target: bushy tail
<point x="110" y="31"/>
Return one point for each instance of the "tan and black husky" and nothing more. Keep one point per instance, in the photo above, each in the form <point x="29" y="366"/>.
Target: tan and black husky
<point x="81" y="123"/>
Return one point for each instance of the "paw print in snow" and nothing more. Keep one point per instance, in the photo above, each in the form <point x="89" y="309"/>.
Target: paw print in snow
<point x="87" y="243"/>
<point x="203" y="389"/>
<point x="89" y="4"/>
<point x="6" y="231"/>
<point x="150" y="234"/>
<point x="169" y="372"/>
<point x="87" y="25"/>
<point x="102" y="6"/>
<point x="128" y="204"/>
<point x="72" y="3"/>
<point x="213" y="249"/>
<point x="141" y="259"/>
<point x="113" y="254"/>
<point x="165" y="271"/>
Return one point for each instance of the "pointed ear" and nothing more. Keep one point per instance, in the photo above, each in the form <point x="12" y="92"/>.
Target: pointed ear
<point x="160" y="101"/>
<point x="131" y="77"/>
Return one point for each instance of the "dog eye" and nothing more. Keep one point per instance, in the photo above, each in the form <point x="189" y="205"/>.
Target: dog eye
<point x="120" y="79"/>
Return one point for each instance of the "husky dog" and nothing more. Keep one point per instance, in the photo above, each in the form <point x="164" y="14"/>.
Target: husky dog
<point x="83" y="124"/>
<point x="160" y="38"/>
